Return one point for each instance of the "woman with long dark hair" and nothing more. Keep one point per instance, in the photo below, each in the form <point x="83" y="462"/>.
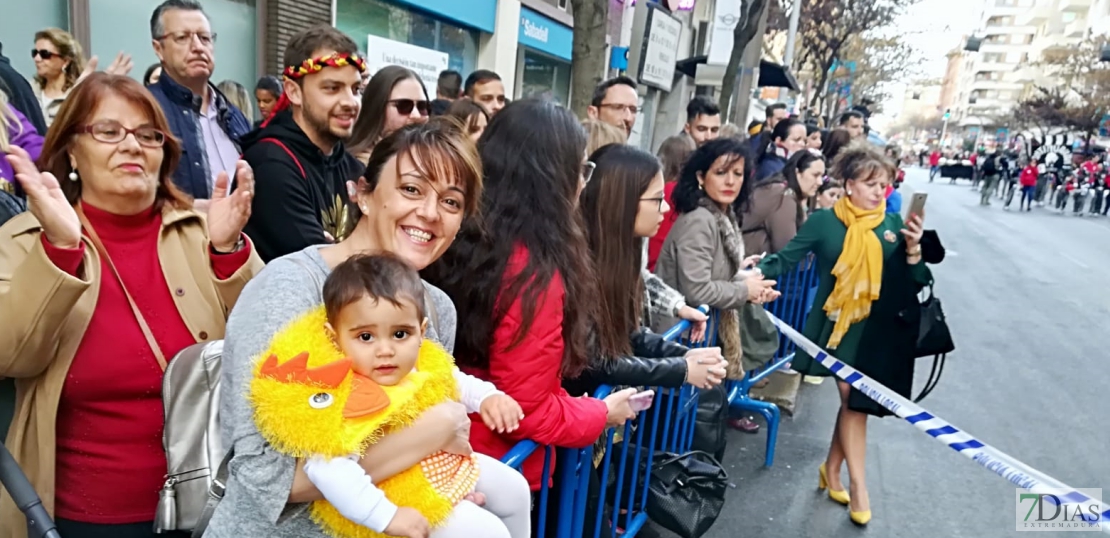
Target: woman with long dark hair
<point x="521" y="278"/>
<point x="771" y="216"/>
<point x="623" y="205"/>
<point x="787" y="138"/>
<point x="394" y="97"/>
<point x="837" y="140"/>
<point x="703" y="256"/>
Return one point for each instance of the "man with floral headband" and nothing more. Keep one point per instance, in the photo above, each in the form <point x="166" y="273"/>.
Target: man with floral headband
<point x="298" y="156"/>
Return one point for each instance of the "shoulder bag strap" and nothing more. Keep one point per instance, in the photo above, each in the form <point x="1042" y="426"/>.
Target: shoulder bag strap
<point x="215" y="494"/>
<point x="161" y="358"/>
<point x="289" y="152"/>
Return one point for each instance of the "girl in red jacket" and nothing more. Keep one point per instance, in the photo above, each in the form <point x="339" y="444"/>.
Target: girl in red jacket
<point x="1028" y="181"/>
<point x="521" y="278"/>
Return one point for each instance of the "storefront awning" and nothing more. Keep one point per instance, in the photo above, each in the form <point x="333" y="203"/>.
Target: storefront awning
<point x="771" y="75"/>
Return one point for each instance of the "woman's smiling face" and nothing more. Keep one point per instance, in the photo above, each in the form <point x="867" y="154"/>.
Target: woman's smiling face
<point x="411" y="215"/>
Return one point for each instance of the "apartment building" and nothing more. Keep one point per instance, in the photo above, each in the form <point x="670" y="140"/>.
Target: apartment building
<point x="1060" y="24"/>
<point x="990" y="84"/>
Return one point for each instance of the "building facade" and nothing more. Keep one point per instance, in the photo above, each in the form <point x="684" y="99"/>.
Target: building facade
<point x="990" y="83"/>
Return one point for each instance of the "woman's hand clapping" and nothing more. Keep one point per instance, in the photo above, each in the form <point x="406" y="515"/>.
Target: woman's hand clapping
<point x="46" y="201"/>
<point x="228" y="213"/>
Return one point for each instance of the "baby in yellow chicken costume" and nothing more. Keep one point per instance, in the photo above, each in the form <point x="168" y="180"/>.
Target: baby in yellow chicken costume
<point x="340" y="377"/>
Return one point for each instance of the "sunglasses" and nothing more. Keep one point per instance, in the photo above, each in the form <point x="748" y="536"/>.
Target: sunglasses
<point x="43" y="53"/>
<point x="404" y="106"/>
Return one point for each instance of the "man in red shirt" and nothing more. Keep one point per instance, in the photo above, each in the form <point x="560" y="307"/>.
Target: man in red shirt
<point x="934" y="164"/>
<point x="1028" y="181"/>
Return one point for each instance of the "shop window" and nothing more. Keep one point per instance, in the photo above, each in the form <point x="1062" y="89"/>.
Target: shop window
<point x="361" y="18"/>
<point x="233" y="21"/>
<point x="545" y="78"/>
<point x="18" y="23"/>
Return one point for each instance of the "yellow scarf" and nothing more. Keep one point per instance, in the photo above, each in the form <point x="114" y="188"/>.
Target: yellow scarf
<point x="858" y="270"/>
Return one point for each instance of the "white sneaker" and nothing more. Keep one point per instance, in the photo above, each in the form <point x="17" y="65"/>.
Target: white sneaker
<point x="813" y="379"/>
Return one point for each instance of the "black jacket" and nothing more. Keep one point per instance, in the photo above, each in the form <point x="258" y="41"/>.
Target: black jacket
<point x="20" y="94"/>
<point x="654" y="362"/>
<point x="301" y="193"/>
<point x="888" y="349"/>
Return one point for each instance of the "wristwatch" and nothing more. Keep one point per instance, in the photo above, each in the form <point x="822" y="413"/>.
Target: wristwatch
<point x="242" y="242"/>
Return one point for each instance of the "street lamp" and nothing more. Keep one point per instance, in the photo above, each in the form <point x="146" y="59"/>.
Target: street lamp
<point x="944" y="129"/>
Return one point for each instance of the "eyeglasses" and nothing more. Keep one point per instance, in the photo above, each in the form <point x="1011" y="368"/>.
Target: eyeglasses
<point x="661" y="200"/>
<point x="587" y="171"/>
<point x="184" y="38"/>
<point x="404" y="106"/>
<point x="111" y="132"/>
<point x="43" y="53"/>
<point x="632" y="109"/>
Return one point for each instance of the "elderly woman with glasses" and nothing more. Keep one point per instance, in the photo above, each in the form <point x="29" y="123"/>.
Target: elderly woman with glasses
<point x="107" y="276"/>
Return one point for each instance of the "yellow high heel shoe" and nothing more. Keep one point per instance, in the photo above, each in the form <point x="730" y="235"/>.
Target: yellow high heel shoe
<point x="860" y="518"/>
<point x="838" y="496"/>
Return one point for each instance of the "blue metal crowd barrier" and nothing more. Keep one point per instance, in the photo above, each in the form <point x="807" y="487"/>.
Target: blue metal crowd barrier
<point x="667" y="426"/>
<point x="798" y="287"/>
<point x="620" y="502"/>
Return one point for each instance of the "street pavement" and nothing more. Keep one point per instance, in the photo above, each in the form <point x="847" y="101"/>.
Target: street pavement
<point x="1027" y="299"/>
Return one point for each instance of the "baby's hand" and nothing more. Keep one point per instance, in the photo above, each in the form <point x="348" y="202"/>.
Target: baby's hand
<point x="476" y="497"/>
<point x="501" y="413"/>
<point x="408" y="523"/>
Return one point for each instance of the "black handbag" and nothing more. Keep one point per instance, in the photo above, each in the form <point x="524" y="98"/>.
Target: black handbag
<point x="686" y="492"/>
<point x="934" y="339"/>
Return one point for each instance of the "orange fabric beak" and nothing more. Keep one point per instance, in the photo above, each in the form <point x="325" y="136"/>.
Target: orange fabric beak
<point x="366" y="397"/>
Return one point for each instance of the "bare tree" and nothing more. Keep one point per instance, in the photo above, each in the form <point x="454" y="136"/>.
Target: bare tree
<point x="588" y="51"/>
<point x="1043" y="111"/>
<point x="750" y="13"/>
<point x="1082" y="85"/>
<point x="879" y="62"/>
<point x="828" y="28"/>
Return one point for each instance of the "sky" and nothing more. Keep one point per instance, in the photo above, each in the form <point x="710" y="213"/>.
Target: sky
<point x="933" y="27"/>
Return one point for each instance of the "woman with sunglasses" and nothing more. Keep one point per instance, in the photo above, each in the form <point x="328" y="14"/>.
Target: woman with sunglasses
<point x="60" y="65"/>
<point x="59" y="62"/>
<point x="120" y="274"/>
<point x="394" y="97"/>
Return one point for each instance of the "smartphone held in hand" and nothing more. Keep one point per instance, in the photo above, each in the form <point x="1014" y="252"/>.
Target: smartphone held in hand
<point x="641" y="401"/>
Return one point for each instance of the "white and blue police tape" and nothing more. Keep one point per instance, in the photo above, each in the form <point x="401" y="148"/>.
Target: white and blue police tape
<point x="985" y="455"/>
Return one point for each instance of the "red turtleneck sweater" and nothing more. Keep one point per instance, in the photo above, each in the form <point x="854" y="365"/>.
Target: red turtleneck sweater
<point x="110" y="464"/>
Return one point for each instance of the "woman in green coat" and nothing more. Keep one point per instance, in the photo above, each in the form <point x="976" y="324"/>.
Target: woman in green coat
<point x="866" y="258"/>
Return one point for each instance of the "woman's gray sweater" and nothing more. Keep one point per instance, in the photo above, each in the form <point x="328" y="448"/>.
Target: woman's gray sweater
<point x="260" y="478"/>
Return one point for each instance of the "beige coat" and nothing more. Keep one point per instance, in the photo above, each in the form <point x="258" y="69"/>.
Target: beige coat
<point x="769" y="221"/>
<point x="44" y="313"/>
<point x="694" y="262"/>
